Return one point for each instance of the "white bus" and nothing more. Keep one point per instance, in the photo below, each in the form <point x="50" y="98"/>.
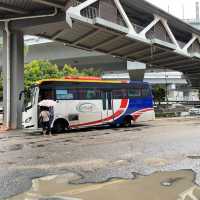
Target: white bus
<point x="90" y="101"/>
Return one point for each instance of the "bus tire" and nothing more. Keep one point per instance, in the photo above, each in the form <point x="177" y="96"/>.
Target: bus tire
<point x="127" y="121"/>
<point x="60" y="126"/>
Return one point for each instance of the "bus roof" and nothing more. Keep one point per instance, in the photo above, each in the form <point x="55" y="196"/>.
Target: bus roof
<point x="86" y="80"/>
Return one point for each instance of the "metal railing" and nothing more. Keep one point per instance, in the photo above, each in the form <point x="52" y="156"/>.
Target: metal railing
<point x="89" y="12"/>
<point x="192" y="21"/>
<point x="138" y="28"/>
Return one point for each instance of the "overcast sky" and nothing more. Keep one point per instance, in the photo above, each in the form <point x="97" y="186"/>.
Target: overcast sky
<point x="176" y="7"/>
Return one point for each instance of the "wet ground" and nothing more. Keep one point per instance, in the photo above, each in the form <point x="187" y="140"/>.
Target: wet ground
<point x="161" y="185"/>
<point x="98" y="155"/>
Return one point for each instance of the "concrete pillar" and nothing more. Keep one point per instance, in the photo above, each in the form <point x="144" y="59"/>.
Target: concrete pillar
<point x="136" y="70"/>
<point x="13" y="106"/>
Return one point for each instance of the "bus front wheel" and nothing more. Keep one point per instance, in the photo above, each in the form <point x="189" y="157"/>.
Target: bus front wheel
<point x="60" y="126"/>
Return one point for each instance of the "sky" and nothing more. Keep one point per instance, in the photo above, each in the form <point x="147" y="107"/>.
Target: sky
<point x="176" y="7"/>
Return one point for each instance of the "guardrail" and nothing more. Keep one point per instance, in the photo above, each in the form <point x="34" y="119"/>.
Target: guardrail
<point x="179" y="102"/>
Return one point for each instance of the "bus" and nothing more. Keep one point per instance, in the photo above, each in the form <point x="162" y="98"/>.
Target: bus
<point x="90" y="101"/>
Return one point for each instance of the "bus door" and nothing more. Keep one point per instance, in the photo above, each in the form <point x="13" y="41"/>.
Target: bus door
<point x="30" y="114"/>
<point x="107" y="110"/>
<point x="66" y="105"/>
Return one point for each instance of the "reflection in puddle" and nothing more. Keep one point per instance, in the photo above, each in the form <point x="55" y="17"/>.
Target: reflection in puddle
<point x="163" y="185"/>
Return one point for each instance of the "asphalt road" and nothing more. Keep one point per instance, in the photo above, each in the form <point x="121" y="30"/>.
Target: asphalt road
<point x="99" y="154"/>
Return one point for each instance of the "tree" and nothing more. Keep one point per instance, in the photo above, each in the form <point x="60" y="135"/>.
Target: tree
<point x="159" y="94"/>
<point x="73" y="71"/>
<point x="91" y="72"/>
<point x="38" y="69"/>
<point x="41" y="69"/>
<point x="70" y="71"/>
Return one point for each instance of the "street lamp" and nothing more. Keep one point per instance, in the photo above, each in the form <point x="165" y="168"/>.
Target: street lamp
<point x="166" y="87"/>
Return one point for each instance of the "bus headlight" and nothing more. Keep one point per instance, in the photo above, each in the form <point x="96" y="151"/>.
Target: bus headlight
<point x="28" y="120"/>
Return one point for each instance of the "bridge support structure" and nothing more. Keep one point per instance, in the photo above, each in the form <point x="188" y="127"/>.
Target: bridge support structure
<point x="13" y="77"/>
<point x="136" y="70"/>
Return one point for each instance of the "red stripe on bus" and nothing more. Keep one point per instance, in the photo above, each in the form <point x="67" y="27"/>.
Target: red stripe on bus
<point x="124" y="103"/>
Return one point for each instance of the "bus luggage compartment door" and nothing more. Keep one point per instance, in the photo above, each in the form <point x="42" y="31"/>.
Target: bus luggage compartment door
<point x="107" y="107"/>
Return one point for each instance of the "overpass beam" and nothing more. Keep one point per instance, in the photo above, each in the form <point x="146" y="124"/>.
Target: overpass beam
<point x="13" y="78"/>
<point x="185" y="48"/>
<point x="150" y="26"/>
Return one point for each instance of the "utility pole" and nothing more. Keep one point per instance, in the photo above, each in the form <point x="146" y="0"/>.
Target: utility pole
<point x="166" y="88"/>
<point x="197" y="11"/>
<point x="183" y="12"/>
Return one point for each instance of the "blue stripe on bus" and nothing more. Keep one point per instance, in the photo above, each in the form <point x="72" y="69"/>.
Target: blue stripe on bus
<point x="135" y="105"/>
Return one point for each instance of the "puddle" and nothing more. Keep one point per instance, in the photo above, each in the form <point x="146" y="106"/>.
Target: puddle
<point x="10" y="163"/>
<point x="67" y="141"/>
<point x="40" y="145"/>
<point x="156" y="162"/>
<point x="107" y="133"/>
<point x="31" y="142"/>
<point x="163" y="185"/>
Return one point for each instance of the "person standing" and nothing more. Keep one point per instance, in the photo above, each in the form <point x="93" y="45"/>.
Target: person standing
<point x="45" y="120"/>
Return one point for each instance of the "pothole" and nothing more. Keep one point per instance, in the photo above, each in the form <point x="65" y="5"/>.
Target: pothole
<point x="40" y="145"/>
<point x="16" y="147"/>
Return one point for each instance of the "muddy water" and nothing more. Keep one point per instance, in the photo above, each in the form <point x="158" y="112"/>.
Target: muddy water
<point x="166" y="186"/>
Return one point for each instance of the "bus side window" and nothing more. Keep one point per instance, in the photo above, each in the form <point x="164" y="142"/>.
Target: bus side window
<point x="89" y="94"/>
<point x="104" y="99"/>
<point x="133" y="93"/>
<point x="146" y="92"/>
<point x="120" y="94"/>
<point x="46" y="94"/>
<point x="109" y="96"/>
<point x="93" y="94"/>
<point x="64" y="95"/>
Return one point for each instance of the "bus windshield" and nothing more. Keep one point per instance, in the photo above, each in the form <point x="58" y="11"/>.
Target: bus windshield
<point x="30" y="96"/>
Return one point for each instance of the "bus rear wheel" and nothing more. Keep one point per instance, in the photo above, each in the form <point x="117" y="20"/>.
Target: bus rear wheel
<point x="127" y="121"/>
<point x="60" y="126"/>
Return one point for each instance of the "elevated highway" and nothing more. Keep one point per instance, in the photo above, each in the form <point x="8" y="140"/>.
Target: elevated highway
<point x="131" y="29"/>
